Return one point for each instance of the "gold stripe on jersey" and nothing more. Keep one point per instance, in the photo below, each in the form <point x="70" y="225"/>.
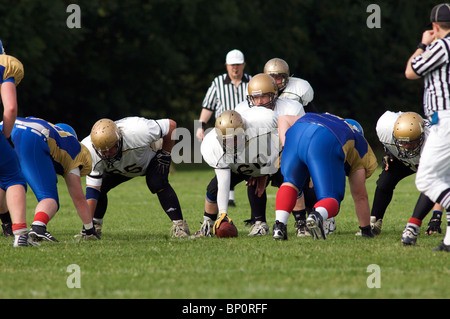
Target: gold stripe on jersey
<point x="368" y="161"/>
<point x="83" y="160"/>
<point x="12" y="68"/>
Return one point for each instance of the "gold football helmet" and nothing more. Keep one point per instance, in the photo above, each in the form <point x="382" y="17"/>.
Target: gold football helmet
<point x="261" y="86"/>
<point x="230" y="129"/>
<point x="409" y="134"/>
<point x="105" y="135"/>
<point x="278" y="69"/>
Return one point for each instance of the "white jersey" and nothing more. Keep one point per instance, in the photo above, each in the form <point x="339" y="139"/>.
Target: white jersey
<point x="138" y="134"/>
<point x="298" y="90"/>
<point x="385" y="129"/>
<point x="282" y="107"/>
<point x="261" y="153"/>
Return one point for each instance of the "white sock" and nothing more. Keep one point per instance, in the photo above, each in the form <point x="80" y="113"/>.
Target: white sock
<point x="231" y="196"/>
<point x="89" y="225"/>
<point x="447" y="233"/>
<point x="282" y="216"/>
<point x="323" y="212"/>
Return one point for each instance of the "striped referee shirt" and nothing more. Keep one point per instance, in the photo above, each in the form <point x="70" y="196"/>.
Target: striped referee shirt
<point x="434" y="66"/>
<point x="223" y="95"/>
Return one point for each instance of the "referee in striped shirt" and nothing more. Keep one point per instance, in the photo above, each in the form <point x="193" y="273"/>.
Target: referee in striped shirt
<point x="226" y="91"/>
<point x="432" y="62"/>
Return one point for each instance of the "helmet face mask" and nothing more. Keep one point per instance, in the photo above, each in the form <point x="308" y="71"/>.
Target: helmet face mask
<point x="409" y="134"/>
<point x="262" y="91"/>
<point x="279" y="70"/>
<point x="230" y="129"/>
<point x="107" y="140"/>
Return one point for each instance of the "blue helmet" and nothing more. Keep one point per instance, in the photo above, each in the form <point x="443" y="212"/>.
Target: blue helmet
<point x="67" y="128"/>
<point x="356" y="126"/>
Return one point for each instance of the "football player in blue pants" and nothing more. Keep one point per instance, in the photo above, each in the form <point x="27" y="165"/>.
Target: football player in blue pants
<point x="46" y="150"/>
<point x="329" y="148"/>
<point x="12" y="183"/>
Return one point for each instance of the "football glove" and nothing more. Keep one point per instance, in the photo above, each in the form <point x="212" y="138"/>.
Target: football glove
<point x="163" y="160"/>
<point x="222" y="217"/>
<point x="435" y="224"/>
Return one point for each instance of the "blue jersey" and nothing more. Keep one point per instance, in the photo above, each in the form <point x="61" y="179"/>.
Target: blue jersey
<point x="327" y="148"/>
<point x="45" y="150"/>
<point x="66" y="151"/>
<point x="355" y="147"/>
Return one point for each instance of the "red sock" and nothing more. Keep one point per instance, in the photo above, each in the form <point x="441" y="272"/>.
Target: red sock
<point x="286" y="198"/>
<point x="19" y="226"/>
<point x="415" y="221"/>
<point x="330" y="204"/>
<point x="41" y="218"/>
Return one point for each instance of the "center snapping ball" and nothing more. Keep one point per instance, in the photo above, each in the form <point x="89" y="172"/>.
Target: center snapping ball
<point x="226" y="230"/>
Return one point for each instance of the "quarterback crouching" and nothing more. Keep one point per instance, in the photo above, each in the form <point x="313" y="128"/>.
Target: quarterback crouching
<point x="125" y="149"/>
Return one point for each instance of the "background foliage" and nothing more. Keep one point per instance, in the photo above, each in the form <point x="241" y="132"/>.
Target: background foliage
<point x="157" y="58"/>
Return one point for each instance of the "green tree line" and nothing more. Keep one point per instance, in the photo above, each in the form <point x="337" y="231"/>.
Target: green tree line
<point x="157" y="58"/>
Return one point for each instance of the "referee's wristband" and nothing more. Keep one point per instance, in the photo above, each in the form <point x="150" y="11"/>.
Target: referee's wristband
<point x="203" y="125"/>
<point x="422" y="46"/>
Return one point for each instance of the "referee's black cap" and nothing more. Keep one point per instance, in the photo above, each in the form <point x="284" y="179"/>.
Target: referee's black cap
<point x="440" y="13"/>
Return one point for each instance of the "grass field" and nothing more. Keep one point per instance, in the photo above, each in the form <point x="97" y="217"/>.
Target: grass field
<point x="137" y="258"/>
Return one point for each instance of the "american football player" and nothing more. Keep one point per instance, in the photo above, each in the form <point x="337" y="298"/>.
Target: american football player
<point x="12" y="182"/>
<point x="46" y="150"/>
<point x="290" y="87"/>
<point x="263" y="92"/>
<point x="329" y="148"/>
<point x="242" y="147"/>
<point x="124" y="149"/>
<point x="402" y="135"/>
<point x="299" y="90"/>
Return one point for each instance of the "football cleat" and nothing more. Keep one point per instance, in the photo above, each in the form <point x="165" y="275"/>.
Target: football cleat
<point x="301" y="229"/>
<point x="409" y="236"/>
<point x="279" y="231"/>
<point x="7" y="229"/>
<point x="329" y="225"/>
<point x="231" y="203"/>
<point x="442" y="247"/>
<point x="24" y="240"/>
<point x="259" y="229"/>
<point x="206" y="230"/>
<point x="38" y="233"/>
<point x="314" y="222"/>
<point x="376" y="225"/>
<point x="180" y="229"/>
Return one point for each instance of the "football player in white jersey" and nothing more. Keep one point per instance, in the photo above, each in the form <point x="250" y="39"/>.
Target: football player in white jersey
<point x="128" y="148"/>
<point x="402" y="135"/>
<point x="241" y="147"/>
<point x="263" y="92"/>
<point x="290" y="87"/>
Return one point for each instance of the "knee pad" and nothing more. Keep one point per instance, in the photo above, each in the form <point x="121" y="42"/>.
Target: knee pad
<point x="211" y="191"/>
<point x="156" y="182"/>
